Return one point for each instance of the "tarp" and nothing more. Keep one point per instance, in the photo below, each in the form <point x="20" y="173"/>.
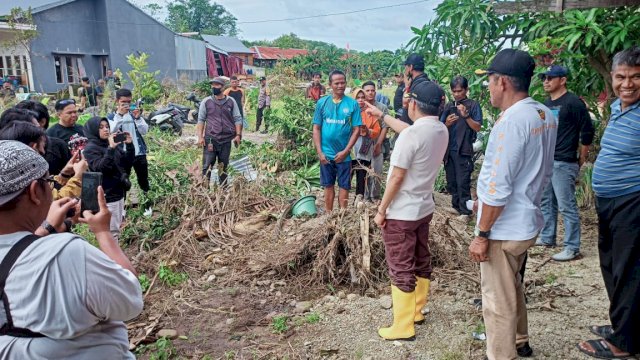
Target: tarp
<point x="230" y="65"/>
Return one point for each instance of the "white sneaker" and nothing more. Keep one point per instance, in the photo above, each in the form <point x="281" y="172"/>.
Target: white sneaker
<point x="565" y="255"/>
<point x="148" y="212"/>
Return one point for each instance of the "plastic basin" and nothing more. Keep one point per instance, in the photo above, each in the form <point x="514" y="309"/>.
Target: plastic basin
<point x="306" y="205"/>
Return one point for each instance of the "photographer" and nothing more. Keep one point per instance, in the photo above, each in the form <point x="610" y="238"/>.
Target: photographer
<point x="95" y="290"/>
<point x="19" y="126"/>
<point x="128" y="118"/>
<point x="105" y="156"/>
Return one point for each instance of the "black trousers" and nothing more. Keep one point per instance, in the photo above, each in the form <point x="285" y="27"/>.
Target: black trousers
<point x="141" y="167"/>
<point x="216" y="152"/>
<point x="359" y="169"/>
<point x="259" y="117"/>
<point x="619" y="249"/>
<point x="458" y="170"/>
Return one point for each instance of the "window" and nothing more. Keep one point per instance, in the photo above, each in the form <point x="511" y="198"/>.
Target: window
<point x="104" y="65"/>
<point x="58" y="65"/>
<point x="8" y="67"/>
<point x="2" y="72"/>
<point x="68" y="68"/>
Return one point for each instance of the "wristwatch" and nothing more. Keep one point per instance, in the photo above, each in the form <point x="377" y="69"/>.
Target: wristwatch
<point x="483" y="234"/>
<point x="45" y="225"/>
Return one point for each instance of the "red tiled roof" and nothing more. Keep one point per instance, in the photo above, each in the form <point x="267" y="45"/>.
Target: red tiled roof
<point x="274" y="53"/>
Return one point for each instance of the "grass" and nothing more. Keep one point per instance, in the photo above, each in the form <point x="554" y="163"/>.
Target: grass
<point x="169" y="277"/>
<point x="280" y="324"/>
<point x="550" y="278"/>
<point x="162" y="349"/>
<point x="144" y="282"/>
<point x="312" y="318"/>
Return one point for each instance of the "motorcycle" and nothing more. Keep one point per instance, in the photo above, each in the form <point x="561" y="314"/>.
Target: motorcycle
<point x="174" y="116"/>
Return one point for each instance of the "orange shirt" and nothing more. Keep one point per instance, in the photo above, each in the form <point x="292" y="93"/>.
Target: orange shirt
<point x="372" y="123"/>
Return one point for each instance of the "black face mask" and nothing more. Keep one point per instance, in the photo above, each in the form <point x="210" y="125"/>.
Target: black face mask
<point x="217" y="91"/>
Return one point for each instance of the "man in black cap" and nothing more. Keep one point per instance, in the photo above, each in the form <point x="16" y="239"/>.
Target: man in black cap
<point x="517" y="167"/>
<point x="414" y="75"/>
<point x="407" y="205"/>
<point x="219" y="123"/>
<point x="574" y="124"/>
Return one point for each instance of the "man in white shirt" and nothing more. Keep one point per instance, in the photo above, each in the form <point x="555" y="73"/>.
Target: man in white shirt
<point x="407" y="205"/>
<point x="68" y="297"/>
<point x="128" y="118"/>
<point x="517" y="167"/>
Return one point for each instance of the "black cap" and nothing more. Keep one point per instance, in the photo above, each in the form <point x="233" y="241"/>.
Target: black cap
<point x="427" y="92"/>
<point x="263" y="78"/>
<point x="415" y="60"/>
<point x="555" y="71"/>
<point x="511" y="62"/>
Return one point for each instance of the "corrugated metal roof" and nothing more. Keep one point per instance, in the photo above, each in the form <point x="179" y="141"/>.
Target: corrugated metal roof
<point x="274" y="53"/>
<point x="227" y="43"/>
<point x="35" y="5"/>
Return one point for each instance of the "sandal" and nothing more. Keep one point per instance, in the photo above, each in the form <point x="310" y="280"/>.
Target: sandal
<point x="602" y="350"/>
<point x="603" y="331"/>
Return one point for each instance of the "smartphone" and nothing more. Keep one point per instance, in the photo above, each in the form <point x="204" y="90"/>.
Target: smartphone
<point x="119" y="137"/>
<point x="89" y="193"/>
<point x="133" y="107"/>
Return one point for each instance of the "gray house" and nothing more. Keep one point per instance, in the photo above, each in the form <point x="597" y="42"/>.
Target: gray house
<point x="79" y="38"/>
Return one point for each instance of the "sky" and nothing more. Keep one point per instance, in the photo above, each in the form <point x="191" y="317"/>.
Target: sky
<point x="387" y="28"/>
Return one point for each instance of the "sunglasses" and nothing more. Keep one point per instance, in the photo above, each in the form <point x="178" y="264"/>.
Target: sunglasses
<point x="66" y="102"/>
<point x="544" y="77"/>
<point x="48" y="178"/>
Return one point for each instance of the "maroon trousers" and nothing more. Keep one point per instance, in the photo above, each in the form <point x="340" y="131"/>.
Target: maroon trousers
<point x="407" y="251"/>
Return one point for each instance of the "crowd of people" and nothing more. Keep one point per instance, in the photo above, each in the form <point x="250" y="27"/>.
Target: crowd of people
<point x="42" y="170"/>
<point x="528" y="175"/>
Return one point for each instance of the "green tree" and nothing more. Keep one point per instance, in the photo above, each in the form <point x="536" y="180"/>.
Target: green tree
<point x="20" y="21"/>
<point x="582" y="40"/>
<point x="145" y="84"/>
<point x="200" y="16"/>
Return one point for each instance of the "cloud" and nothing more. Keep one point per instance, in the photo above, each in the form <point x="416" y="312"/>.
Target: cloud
<point x="387" y="28"/>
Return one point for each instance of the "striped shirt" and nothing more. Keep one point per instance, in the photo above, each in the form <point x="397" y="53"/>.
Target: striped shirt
<point x="617" y="168"/>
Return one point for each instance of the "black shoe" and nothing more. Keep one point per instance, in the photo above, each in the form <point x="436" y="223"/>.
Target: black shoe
<point x="464" y="212"/>
<point x="525" y="350"/>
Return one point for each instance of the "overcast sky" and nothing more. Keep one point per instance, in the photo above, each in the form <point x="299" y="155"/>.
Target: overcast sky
<point x="387" y="28"/>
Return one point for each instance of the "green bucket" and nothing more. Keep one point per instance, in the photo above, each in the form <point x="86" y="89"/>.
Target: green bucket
<point x="306" y="205"/>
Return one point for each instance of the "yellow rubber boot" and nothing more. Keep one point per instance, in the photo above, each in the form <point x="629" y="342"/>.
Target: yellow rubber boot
<point x="404" y="308"/>
<point x="422" y="297"/>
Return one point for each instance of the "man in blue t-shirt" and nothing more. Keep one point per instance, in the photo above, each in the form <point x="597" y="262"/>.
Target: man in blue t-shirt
<point x="335" y="131"/>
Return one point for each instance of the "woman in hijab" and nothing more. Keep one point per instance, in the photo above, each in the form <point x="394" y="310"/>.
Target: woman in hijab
<point x="105" y="156"/>
<point x="363" y="148"/>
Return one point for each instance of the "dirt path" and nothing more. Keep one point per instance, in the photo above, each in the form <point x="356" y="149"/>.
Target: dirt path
<point x="563" y="299"/>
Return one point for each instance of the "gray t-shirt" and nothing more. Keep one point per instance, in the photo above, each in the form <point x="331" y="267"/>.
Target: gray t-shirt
<point x="71" y="292"/>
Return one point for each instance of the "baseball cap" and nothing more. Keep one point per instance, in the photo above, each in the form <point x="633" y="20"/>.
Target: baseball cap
<point x="19" y="166"/>
<point x="427" y="92"/>
<point x="218" y="80"/>
<point x="511" y="62"/>
<point x="415" y="60"/>
<point x="555" y="71"/>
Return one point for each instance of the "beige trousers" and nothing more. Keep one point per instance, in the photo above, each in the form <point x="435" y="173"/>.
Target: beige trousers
<point x="503" y="306"/>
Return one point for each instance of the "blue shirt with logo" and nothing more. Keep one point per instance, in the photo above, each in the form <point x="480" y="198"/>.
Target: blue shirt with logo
<point x="337" y="121"/>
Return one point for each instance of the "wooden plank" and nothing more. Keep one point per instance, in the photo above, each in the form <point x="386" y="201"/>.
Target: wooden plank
<point x="512" y="7"/>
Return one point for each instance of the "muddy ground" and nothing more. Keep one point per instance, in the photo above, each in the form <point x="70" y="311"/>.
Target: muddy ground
<point x="218" y="318"/>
